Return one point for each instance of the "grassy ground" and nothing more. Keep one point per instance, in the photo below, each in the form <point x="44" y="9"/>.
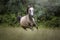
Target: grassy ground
<point x="17" y="33"/>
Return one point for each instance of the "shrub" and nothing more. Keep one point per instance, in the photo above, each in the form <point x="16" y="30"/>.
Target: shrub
<point x="55" y="22"/>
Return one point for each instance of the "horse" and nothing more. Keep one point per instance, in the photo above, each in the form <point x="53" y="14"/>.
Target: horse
<point x="28" y="21"/>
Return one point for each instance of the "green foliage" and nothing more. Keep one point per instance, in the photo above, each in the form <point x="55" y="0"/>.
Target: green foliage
<point x="8" y="18"/>
<point x="47" y="14"/>
<point x="10" y="9"/>
<point x="54" y="22"/>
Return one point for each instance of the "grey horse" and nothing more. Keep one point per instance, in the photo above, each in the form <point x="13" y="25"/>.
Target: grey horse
<point x="28" y="20"/>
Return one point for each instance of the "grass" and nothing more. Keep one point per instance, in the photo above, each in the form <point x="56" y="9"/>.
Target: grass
<point x="17" y="33"/>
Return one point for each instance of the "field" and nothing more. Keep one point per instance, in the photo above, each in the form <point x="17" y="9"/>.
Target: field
<point x="17" y="33"/>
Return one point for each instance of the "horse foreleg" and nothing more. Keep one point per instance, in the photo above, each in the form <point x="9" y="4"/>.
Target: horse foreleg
<point x="35" y="25"/>
<point x="31" y="28"/>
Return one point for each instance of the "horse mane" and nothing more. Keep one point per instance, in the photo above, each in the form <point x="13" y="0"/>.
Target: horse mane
<point x="27" y="10"/>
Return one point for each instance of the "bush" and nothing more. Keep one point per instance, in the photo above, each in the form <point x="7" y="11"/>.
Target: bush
<point x="55" y="22"/>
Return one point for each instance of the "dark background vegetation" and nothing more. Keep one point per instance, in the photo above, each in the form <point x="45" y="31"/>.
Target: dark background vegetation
<point x="47" y="12"/>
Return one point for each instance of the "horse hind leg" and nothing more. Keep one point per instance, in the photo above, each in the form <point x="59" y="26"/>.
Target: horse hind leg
<point x="33" y="29"/>
<point x="24" y="28"/>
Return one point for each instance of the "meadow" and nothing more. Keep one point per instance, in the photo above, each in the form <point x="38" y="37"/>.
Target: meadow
<point x="18" y="33"/>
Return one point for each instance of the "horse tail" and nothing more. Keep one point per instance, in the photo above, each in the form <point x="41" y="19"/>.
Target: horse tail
<point x="19" y="18"/>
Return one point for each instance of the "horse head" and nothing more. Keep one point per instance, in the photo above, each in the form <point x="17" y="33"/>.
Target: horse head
<point x="31" y="11"/>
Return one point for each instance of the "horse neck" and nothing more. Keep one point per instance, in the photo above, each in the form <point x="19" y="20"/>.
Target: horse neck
<point x="30" y="17"/>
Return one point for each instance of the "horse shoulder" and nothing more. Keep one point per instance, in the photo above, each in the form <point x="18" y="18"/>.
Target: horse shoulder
<point x="23" y="21"/>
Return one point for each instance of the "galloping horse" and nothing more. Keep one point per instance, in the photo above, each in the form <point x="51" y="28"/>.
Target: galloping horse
<point x="28" y="21"/>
